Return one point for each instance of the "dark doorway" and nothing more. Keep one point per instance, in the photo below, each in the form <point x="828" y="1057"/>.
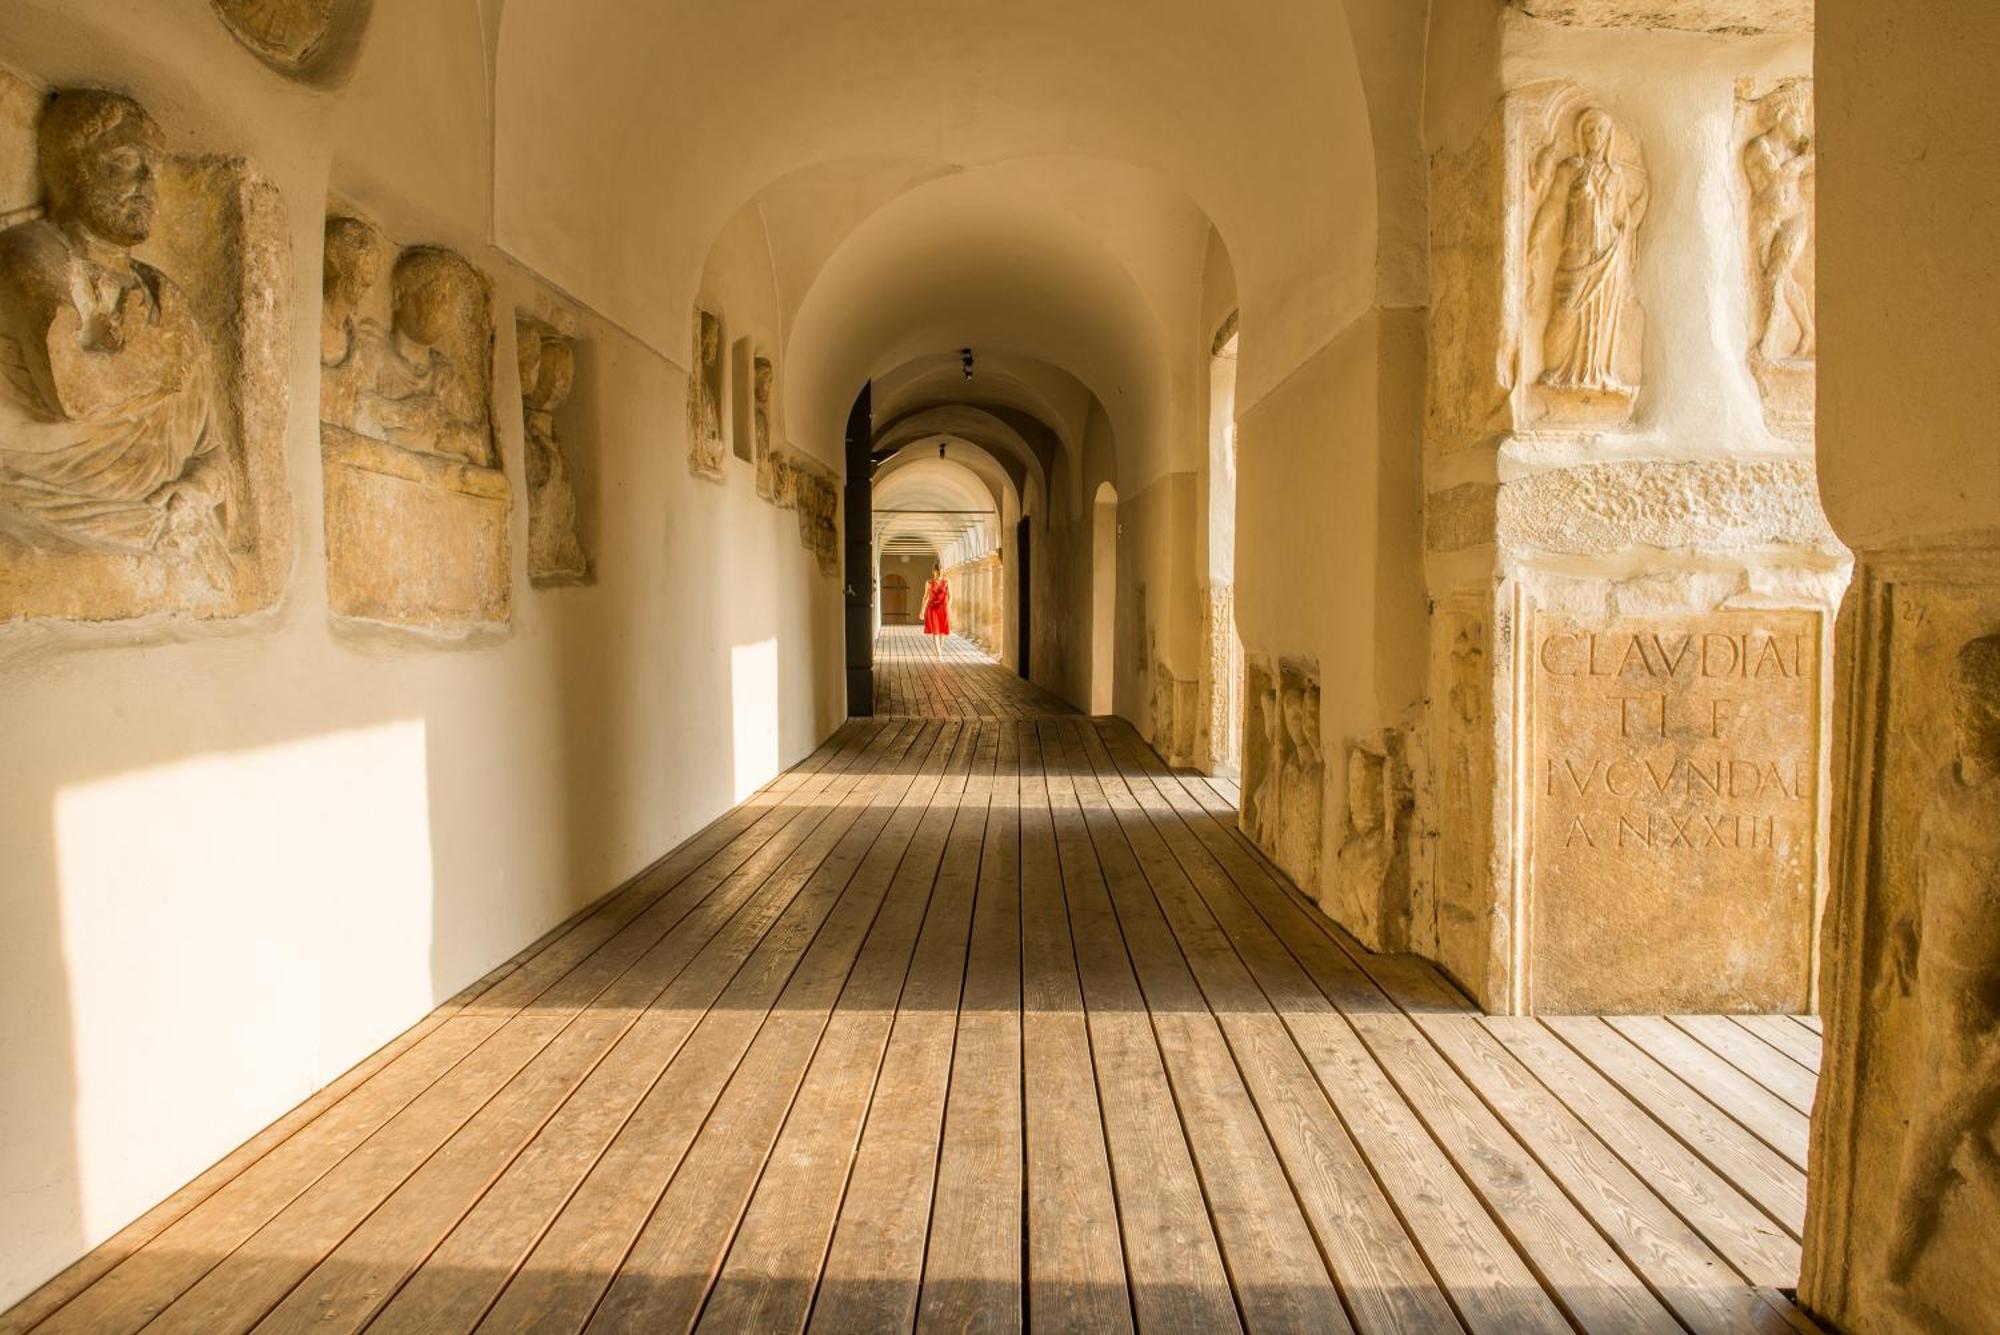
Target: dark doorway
<point x="858" y="566"/>
<point x="1027" y="583"/>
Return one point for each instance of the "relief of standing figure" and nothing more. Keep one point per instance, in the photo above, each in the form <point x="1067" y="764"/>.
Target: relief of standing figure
<point x="1592" y="205"/>
<point x="1945" y="955"/>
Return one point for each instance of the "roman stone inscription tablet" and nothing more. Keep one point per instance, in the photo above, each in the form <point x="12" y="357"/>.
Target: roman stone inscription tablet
<point x="1673" y="812"/>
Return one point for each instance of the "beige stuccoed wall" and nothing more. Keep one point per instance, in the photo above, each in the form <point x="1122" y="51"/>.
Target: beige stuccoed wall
<point x="1321" y="461"/>
<point x="1903" y="1200"/>
<point x="239" y="856"/>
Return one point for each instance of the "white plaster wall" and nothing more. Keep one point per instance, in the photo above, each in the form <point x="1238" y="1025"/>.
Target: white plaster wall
<point x="239" y="857"/>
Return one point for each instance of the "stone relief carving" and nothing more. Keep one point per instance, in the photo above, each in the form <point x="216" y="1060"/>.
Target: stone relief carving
<point x="764" y="377"/>
<point x="314" y="41"/>
<point x="1372" y="895"/>
<point x="1284" y="774"/>
<point x="416" y="504"/>
<point x="141" y="451"/>
<point x="548" y="374"/>
<point x="1302" y="776"/>
<point x="1779" y="155"/>
<point x="706" y="447"/>
<point x="1945" y="957"/>
<point x="1587" y="194"/>
<point x="818" y="504"/>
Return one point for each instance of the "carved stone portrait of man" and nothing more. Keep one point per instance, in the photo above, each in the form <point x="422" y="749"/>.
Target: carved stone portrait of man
<point x="106" y="378"/>
<point x="419" y="397"/>
<point x="1945" y="957"/>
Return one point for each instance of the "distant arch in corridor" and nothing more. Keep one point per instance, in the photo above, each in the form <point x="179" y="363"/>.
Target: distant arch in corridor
<point x="1103" y="598"/>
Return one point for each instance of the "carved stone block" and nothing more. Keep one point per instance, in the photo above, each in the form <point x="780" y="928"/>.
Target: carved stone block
<point x="143" y="318"/>
<point x="1673" y="812"/>
<point x="707" y="447"/>
<point x="1721" y="16"/>
<point x="313" y="41"/>
<point x="1461" y="894"/>
<point x="1774" y="133"/>
<point x="1906" y="1171"/>
<point x="416" y="502"/>
<point x="1370" y="891"/>
<point x="548" y="375"/>
<point x="1583" y="194"/>
<point x="816" y="496"/>
<point x="764" y="378"/>
<point x="1284" y="774"/>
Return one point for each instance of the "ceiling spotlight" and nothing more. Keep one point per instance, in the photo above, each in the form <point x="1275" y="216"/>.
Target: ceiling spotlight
<point x="965" y="360"/>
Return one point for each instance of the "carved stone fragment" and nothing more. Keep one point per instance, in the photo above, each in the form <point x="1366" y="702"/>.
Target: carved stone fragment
<point x="1673" y="781"/>
<point x="763" y="379"/>
<point x="707" y="448"/>
<point x="1906" y="1131"/>
<point x="141" y="453"/>
<point x="1284" y="774"/>
<point x="1779" y="156"/>
<point x="314" y="41"/>
<point x="1587" y="194"/>
<point x="816" y="496"/>
<point x="1719" y="16"/>
<point x="548" y="374"/>
<point x="1945" y="959"/>
<point x="1371" y="893"/>
<point x="1462" y="884"/>
<point x="416" y="503"/>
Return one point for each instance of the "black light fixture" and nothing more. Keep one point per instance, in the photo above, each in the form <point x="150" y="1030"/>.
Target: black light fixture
<point x="940" y="449"/>
<point x="965" y="360"/>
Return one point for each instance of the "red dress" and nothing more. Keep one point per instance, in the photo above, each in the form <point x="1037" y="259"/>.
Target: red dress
<point x="937" y="609"/>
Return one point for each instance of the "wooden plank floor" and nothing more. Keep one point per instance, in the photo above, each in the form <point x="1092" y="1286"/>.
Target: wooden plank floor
<point x="981" y="1019"/>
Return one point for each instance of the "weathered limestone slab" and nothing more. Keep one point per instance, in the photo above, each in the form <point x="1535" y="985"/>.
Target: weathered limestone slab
<point x="313" y="41"/>
<point x="765" y="381"/>
<point x="548" y="375"/>
<point x="1672" y="812"/>
<point x="1612" y="507"/>
<point x="1370" y="891"/>
<point x="1778" y="153"/>
<point x="815" y="494"/>
<point x="1284" y="771"/>
<point x="416" y="502"/>
<point x="1731" y="16"/>
<point x="1455" y="916"/>
<point x="143" y="321"/>
<point x="414" y="539"/>
<point x="707" y="447"/>
<point x="1906" y="1178"/>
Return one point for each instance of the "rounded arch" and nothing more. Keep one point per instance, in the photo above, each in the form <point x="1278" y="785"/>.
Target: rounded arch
<point x="1103" y="599"/>
<point x="1224" y="107"/>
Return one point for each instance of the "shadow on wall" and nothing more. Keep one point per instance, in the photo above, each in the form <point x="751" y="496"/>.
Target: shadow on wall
<point x="304" y="860"/>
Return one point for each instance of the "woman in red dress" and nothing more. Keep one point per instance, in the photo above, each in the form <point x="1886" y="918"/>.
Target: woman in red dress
<point x="937" y="610"/>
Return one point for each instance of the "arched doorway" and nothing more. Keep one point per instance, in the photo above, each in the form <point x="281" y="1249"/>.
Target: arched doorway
<point x="1103" y="597"/>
